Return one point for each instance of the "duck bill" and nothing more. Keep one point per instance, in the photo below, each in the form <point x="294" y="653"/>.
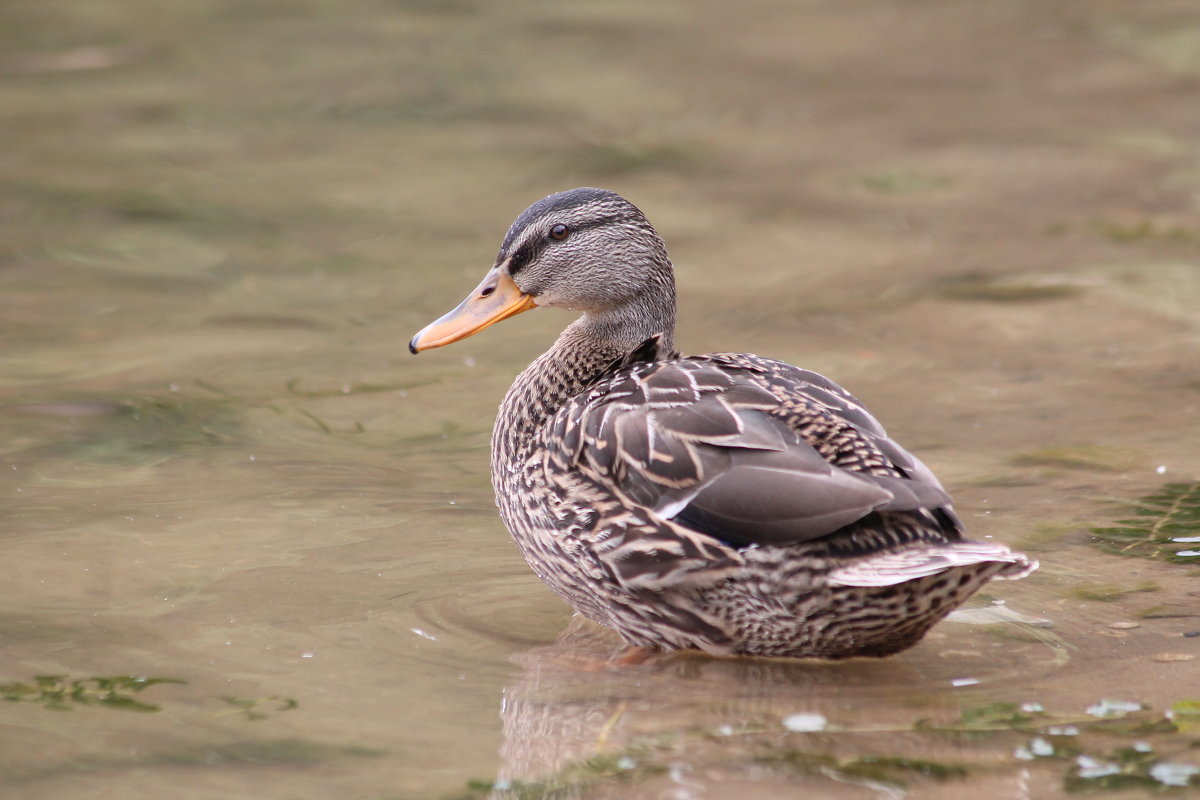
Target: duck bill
<point x="495" y="298"/>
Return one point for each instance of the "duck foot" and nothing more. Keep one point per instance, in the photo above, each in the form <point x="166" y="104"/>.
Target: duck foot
<point x="634" y="656"/>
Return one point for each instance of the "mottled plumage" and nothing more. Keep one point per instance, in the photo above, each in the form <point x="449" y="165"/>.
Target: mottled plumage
<point x="726" y="502"/>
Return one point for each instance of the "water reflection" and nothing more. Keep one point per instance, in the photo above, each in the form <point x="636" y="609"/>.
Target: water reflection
<point x="575" y="721"/>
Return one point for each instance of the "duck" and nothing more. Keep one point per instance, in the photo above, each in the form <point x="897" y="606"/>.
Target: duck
<point x="726" y="503"/>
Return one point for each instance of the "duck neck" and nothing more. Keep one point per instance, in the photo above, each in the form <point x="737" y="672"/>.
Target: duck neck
<point x="583" y="352"/>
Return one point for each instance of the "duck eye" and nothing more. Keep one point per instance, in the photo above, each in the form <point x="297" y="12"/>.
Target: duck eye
<point x="559" y="232"/>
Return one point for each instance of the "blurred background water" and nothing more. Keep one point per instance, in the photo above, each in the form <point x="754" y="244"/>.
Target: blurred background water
<point x="220" y="222"/>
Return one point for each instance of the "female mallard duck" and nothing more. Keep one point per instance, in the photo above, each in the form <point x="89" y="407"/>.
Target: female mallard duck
<point x="725" y="502"/>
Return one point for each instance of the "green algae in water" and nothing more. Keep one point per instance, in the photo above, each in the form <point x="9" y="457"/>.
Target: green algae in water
<point x="995" y="715"/>
<point x="1152" y="751"/>
<point x="47" y="200"/>
<point x="60" y="694"/>
<point x="1094" y="457"/>
<point x="886" y="770"/>
<point x="627" y="767"/>
<point x="1108" y="592"/>
<point x="1072" y="741"/>
<point x="1044" y="535"/>
<point x="754" y="747"/>
<point x="1185" y="714"/>
<point x="1006" y="288"/>
<point x="1164" y="526"/>
<point x="1133" y="766"/>
<point x="135" y="431"/>
<point x="981" y="722"/>
<point x="1137" y="767"/>
<point x="627" y="770"/>
<point x="256" y="708"/>
<point x="286" y="752"/>
<point x="1147" y="229"/>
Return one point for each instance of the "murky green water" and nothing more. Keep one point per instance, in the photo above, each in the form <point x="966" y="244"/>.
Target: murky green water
<point x="222" y="221"/>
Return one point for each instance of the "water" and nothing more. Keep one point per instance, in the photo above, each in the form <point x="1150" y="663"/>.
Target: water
<point x="222" y="222"/>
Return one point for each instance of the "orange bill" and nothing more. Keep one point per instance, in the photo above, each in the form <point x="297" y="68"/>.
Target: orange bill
<point x="495" y="298"/>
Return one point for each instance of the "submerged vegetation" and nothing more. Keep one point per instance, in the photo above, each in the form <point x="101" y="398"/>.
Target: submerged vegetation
<point x="1005" y="288"/>
<point x="1107" y="592"/>
<point x="1101" y="458"/>
<point x="1110" y="745"/>
<point x="131" y="431"/>
<point x="257" y="708"/>
<point x="1164" y="525"/>
<point x="61" y="693"/>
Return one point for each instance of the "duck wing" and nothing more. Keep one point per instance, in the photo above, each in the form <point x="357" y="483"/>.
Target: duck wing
<point x="746" y="450"/>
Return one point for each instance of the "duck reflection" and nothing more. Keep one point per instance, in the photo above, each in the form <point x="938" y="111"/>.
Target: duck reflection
<point x="577" y="723"/>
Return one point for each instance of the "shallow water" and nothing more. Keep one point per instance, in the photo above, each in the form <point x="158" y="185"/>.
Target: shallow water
<point x="223" y="221"/>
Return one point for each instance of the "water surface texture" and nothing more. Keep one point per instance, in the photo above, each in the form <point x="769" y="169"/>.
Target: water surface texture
<point x="220" y="223"/>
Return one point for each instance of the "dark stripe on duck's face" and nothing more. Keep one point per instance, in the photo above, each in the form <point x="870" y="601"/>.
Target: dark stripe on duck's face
<point x="530" y="252"/>
<point x="552" y="206"/>
<point x="521" y="258"/>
